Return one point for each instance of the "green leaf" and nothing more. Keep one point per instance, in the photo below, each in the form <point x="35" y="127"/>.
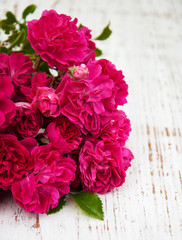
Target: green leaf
<point x="90" y="203"/>
<point x="10" y="17"/>
<point x="60" y="205"/>
<point x="80" y="26"/>
<point x="27" y="48"/>
<point x="6" y="27"/>
<point x="44" y="67"/>
<point x="105" y="33"/>
<point x="23" y="26"/>
<point x="19" y="39"/>
<point x="3" y="50"/>
<point x="12" y="37"/>
<point x="30" y="9"/>
<point x="98" y="52"/>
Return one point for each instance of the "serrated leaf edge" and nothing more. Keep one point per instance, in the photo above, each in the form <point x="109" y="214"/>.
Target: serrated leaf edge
<point x="58" y="207"/>
<point x="99" y="216"/>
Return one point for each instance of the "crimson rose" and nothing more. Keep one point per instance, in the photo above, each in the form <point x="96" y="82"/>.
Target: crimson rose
<point x="15" y="160"/>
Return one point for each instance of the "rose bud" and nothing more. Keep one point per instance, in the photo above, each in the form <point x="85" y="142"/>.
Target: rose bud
<point x="47" y="101"/>
<point x="80" y="72"/>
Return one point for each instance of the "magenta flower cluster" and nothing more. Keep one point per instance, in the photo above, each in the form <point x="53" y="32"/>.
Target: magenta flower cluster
<point x="61" y="132"/>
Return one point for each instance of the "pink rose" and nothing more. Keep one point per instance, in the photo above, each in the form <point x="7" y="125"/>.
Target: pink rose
<point x="27" y="121"/>
<point x="63" y="133"/>
<point x="47" y="101"/>
<point x="38" y="80"/>
<point x="7" y="112"/>
<point x="50" y="180"/>
<point x="120" y="88"/>
<point x="7" y="107"/>
<point x="6" y="87"/>
<point x="80" y="72"/>
<point x="58" y="41"/>
<point x="32" y="197"/>
<point x="90" y="44"/>
<point x="29" y="143"/>
<point x="90" y="101"/>
<point x="127" y="158"/>
<point x="101" y="166"/>
<point x="117" y="128"/>
<point x="17" y="66"/>
<point x="15" y="160"/>
<point x="79" y="106"/>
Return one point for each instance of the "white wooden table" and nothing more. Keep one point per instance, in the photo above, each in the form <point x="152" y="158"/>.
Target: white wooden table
<point x="147" y="45"/>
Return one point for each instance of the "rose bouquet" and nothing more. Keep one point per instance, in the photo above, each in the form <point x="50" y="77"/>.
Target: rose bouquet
<point x="61" y="132"/>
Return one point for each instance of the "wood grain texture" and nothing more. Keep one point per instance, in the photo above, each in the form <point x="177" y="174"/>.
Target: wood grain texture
<point x="147" y="45"/>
